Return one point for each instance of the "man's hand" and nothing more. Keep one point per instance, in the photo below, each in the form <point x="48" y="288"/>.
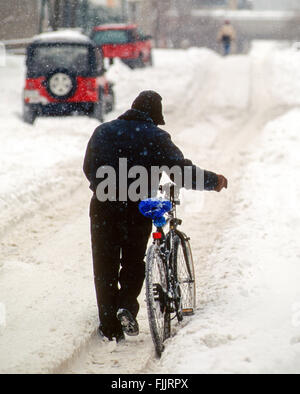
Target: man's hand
<point x="222" y="182"/>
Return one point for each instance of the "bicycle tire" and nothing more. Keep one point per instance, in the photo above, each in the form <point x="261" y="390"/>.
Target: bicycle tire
<point x="184" y="274"/>
<point x="157" y="305"/>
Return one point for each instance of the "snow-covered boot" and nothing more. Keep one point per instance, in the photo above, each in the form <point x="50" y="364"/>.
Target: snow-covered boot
<point x="129" y="324"/>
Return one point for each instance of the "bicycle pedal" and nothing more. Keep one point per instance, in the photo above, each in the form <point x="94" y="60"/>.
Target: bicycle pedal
<point x="187" y="311"/>
<point x="156" y="296"/>
<point x="156" y="289"/>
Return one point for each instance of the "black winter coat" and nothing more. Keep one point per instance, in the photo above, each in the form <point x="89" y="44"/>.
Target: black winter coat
<point x="134" y="136"/>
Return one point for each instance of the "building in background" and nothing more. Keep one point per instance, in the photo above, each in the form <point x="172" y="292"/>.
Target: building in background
<point x="171" y="23"/>
<point x="210" y="3"/>
<point x="283" y="5"/>
<point x="196" y="22"/>
<point x="223" y="4"/>
<point x="18" y="18"/>
<point x="21" y="19"/>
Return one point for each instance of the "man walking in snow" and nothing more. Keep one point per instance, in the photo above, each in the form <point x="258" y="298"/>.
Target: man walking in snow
<point x="119" y="232"/>
<point x="226" y="35"/>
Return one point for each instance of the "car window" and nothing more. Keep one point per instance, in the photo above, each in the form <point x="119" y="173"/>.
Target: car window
<point x="48" y="57"/>
<point x="111" y="37"/>
<point x="141" y="35"/>
<point x="133" y="35"/>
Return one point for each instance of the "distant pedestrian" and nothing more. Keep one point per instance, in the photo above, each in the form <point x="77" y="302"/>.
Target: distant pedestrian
<point x="226" y="35"/>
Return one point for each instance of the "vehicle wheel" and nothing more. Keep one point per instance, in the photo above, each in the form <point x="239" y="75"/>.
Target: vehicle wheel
<point x="98" y="107"/>
<point x="129" y="63"/>
<point x="110" y="103"/>
<point x="157" y="304"/>
<point x="29" y="113"/>
<point x="61" y="84"/>
<point x="184" y="282"/>
<point x="140" y="61"/>
<point x="150" y="60"/>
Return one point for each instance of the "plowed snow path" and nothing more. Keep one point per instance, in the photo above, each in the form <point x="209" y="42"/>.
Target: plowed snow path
<point x="215" y="108"/>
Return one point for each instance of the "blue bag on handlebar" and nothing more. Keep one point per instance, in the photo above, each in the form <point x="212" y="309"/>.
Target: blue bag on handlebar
<point x="155" y="209"/>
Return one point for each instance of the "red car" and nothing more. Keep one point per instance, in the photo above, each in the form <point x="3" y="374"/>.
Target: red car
<point x="125" y="42"/>
<point x="65" y="74"/>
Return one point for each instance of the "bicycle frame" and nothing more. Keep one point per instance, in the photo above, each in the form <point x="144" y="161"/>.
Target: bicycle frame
<point x="170" y="283"/>
<point x="164" y="241"/>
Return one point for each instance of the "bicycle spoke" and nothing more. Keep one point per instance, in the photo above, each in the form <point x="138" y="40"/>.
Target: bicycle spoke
<point x="185" y="281"/>
<point x="184" y="272"/>
<point x="170" y="280"/>
<point x="156" y="292"/>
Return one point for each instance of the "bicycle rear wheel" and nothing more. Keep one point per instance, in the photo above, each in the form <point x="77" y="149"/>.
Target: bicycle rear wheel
<point x="184" y="276"/>
<point x="157" y="300"/>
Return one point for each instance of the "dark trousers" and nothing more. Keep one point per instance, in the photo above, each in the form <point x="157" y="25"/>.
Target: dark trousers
<point x="119" y="235"/>
<point x="227" y="45"/>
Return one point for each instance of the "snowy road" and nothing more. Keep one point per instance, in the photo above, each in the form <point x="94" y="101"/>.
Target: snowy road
<point x="237" y="116"/>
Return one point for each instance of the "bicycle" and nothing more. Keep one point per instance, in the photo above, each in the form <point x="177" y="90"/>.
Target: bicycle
<point x="170" y="276"/>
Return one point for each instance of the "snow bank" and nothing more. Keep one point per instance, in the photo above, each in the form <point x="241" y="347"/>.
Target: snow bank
<point x="286" y="76"/>
<point x="253" y="324"/>
<point x="283" y="73"/>
<point x="34" y="160"/>
<point x="190" y="81"/>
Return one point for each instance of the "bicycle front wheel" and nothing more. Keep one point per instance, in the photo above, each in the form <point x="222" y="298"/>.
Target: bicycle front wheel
<point x="184" y="276"/>
<point x="157" y="298"/>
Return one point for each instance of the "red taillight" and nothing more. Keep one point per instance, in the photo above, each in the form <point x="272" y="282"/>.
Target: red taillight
<point x="29" y="84"/>
<point x="34" y="83"/>
<point x="157" y="235"/>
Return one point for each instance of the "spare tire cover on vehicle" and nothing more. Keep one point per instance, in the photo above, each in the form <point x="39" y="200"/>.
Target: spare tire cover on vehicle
<point x="61" y="84"/>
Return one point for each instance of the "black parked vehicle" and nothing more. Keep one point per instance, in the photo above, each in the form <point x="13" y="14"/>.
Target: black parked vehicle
<point x="65" y="74"/>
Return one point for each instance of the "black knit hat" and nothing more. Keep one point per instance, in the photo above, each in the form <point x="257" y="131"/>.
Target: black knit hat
<point x="149" y="102"/>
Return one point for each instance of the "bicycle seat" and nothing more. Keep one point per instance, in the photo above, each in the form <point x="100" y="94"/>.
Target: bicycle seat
<point x="154" y="208"/>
